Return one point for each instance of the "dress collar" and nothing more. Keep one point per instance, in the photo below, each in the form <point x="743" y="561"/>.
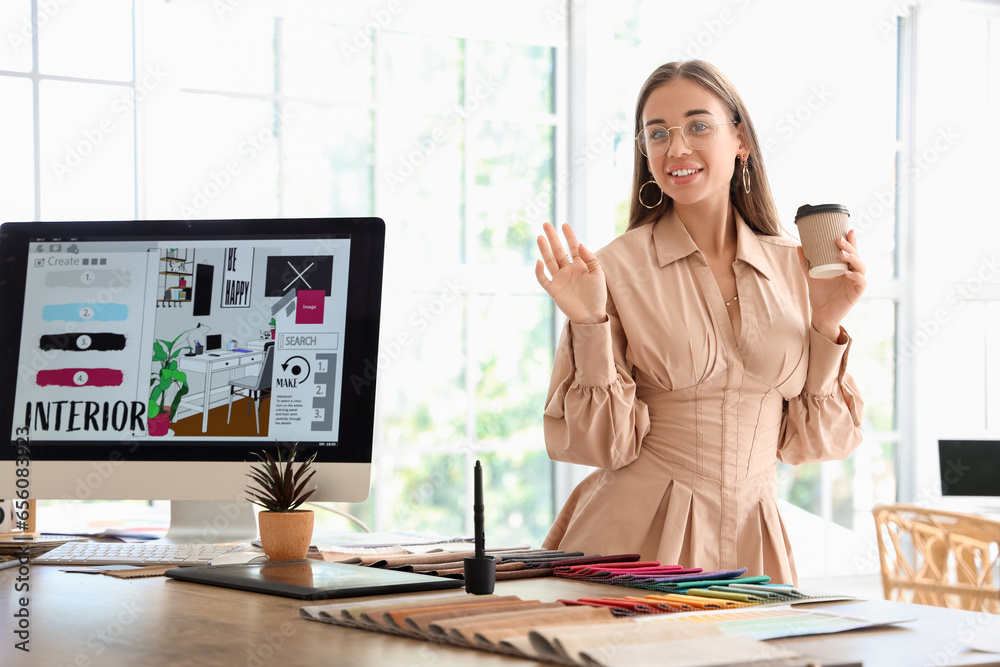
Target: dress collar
<point x="672" y="242"/>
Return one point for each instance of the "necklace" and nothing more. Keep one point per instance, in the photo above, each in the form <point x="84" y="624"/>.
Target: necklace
<point x="735" y="298"/>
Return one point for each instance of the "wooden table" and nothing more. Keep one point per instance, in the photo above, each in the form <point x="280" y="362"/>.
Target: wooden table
<point x="90" y="620"/>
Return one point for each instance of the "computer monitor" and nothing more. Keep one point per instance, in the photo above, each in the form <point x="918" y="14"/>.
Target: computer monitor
<point x="970" y="470"/>
<point x="149" y="359"/>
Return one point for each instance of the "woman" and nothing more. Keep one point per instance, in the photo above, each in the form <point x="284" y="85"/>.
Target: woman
<point x="697" y="350"/>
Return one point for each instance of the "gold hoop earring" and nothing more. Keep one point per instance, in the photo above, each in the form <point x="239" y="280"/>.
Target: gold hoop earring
<point x="746" y="175"/>
<point x="643" y="188"/>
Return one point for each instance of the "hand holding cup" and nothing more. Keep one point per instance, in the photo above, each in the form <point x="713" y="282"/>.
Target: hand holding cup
<point x="834" y="270"/>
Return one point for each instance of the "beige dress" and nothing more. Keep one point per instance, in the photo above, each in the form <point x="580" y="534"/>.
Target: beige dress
<point x="684" y="421"/>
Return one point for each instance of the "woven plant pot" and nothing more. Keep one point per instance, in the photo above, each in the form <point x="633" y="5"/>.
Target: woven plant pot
<point x="286" y="535"/>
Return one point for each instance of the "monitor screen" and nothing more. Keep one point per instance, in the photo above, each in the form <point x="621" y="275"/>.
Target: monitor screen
<point x="148" y="359"/>
<point x="969" y="467"/>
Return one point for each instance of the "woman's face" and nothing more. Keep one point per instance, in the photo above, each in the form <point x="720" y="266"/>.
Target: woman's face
<point x="688" y="175"/>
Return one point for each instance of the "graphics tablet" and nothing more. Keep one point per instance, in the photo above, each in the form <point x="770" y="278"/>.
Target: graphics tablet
<point x="312" y="579"/>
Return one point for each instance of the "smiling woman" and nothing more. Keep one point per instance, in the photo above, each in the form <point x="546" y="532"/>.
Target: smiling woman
<point x="713" y="126"/>
<point x="657" y="382"/>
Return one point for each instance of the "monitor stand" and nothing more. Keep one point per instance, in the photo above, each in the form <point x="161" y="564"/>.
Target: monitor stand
<point x="211" y="522"/>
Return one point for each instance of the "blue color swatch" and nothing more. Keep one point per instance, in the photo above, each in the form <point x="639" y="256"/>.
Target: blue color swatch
<point x="85" y="312"/>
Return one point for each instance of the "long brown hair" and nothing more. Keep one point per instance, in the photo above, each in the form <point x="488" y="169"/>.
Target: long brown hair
<point x="757" y="208"/>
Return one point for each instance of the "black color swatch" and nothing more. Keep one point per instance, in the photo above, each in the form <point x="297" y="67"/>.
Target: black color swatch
<point x="83" y="342"/>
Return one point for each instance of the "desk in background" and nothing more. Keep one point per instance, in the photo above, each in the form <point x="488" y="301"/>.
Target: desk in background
<point x="80" y="619"/>
<point x="225" y="362"/>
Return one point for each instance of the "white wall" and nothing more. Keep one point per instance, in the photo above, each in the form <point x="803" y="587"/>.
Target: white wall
<point x="953" y="342"/>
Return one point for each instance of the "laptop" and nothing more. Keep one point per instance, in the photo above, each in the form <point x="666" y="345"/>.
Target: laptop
<point x="313" y="579"/>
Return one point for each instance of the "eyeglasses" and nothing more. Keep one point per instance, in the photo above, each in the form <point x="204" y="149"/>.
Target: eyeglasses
<point x="698" y="133"/>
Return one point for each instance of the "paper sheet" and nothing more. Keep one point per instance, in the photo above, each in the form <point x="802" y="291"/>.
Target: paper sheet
<point x="987" y="634"/>
<point x="766" y="622"/>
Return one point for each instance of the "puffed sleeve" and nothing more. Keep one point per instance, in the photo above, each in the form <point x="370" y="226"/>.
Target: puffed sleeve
<point x="592" y="416"/>
<point x="823" y="423"/>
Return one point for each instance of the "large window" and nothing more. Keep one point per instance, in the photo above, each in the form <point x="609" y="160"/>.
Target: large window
<point x="267" y="110"/>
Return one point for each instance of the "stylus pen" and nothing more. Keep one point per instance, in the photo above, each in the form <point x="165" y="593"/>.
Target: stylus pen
<point x="480" y="571"/>
<point x="477" y="511"/>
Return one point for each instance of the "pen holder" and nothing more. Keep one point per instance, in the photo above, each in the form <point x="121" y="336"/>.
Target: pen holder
<point x="480" y="575"/>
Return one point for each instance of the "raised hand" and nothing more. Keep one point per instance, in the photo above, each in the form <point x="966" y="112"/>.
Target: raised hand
<point x="832" y="298"/>
<point x="577" y="283"/>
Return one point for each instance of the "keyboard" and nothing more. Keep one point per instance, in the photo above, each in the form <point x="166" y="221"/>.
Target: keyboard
<point x="135" y="553"/>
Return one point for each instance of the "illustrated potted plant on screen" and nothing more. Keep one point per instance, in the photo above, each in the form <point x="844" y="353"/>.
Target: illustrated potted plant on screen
<point x="280" y="487"/>
<point x="166" y="377"/>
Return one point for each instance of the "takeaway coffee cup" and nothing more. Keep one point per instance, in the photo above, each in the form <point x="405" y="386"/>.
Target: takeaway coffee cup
<point x="819" y="228"/>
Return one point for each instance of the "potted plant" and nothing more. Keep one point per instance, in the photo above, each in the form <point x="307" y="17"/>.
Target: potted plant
<point x="279" y="487"/>
<point x="158" y="413"/>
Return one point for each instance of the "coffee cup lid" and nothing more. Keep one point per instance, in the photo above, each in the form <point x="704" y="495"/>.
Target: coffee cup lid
<point x="809" y="209"/>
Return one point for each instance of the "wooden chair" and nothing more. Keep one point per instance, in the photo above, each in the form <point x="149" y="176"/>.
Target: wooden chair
<point x="939" y="558"/>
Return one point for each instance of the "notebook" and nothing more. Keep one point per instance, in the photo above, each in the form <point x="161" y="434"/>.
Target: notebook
<point x="312" y="579"/>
